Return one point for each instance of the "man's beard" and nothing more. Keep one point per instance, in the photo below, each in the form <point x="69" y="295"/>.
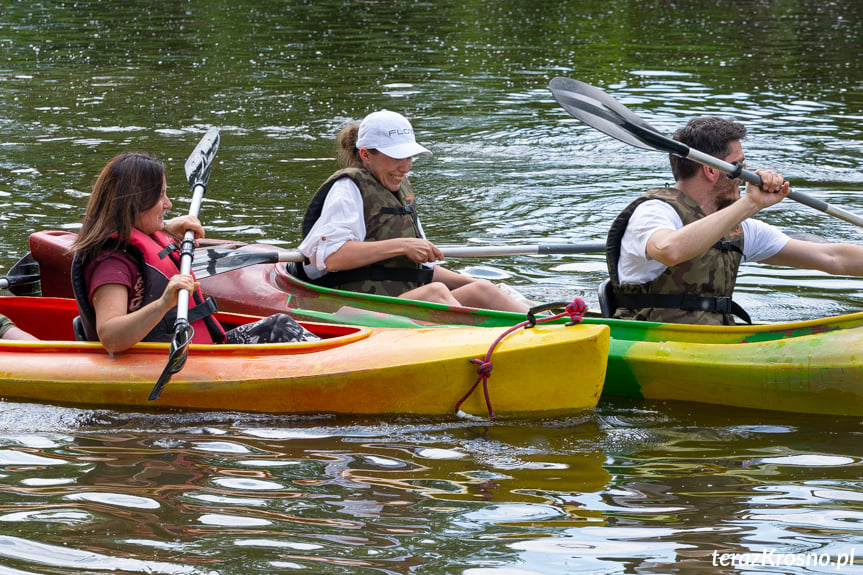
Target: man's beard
<point x="723" y="203"/>
<point x="728" y="196"/>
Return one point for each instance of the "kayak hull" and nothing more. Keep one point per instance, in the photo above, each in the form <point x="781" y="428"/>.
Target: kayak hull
<point x="352" y="370"/>
<point x="811" y="366"/>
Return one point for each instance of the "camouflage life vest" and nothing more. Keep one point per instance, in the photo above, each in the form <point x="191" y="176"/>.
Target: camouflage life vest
<point x="697" y="291"/>
<point x="387" y="215"/>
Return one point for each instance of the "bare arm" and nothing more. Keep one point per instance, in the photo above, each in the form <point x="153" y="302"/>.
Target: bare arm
<point x="119" y="330"/>
<point x="355" y="254"/>
<point x="838" y="259"/>
<point x="672" y="247"/>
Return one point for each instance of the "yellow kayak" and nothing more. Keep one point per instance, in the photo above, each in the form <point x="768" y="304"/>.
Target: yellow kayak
<point x="548" y="369"/>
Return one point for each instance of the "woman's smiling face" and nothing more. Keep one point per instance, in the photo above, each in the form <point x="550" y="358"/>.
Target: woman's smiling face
<point x="388" y="171"/>
<point x="152" y="219"/>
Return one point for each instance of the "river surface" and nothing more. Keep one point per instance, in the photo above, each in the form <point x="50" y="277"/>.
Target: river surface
<point x="634" y="487"/>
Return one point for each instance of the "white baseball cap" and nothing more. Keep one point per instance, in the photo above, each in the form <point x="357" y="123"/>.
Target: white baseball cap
<point x="389" y="133"/>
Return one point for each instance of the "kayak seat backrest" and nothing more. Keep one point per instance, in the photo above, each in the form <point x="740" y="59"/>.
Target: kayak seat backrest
<point x="78" y="328"/>
<point x="607" y="304"/>
<point x="296" y="270"/>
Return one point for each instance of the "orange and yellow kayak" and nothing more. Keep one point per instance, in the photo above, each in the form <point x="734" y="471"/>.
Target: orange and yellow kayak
<point x="548" y="369"/>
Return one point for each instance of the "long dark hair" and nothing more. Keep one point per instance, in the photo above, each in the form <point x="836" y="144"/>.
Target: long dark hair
<point x="129" y="184"/>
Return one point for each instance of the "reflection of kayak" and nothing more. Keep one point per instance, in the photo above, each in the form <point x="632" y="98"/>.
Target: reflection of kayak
<point x="808" y="367"/>
<point x="523" y="476"/>
<point x="356" y="370"/>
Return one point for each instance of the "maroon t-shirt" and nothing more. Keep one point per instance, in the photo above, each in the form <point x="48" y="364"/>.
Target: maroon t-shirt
<point x="116" y="268"/>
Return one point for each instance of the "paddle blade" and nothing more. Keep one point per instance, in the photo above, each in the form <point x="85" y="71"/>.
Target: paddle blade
<point x="602" y="112"/>
<point x="210" y="262"/>
<point x="22" y="278"/>
<point x="200" y="161"/>
<point x="183" y="334"/>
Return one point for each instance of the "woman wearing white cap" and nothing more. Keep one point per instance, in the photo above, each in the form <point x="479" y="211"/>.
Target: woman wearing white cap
<point x="361" y="231"/>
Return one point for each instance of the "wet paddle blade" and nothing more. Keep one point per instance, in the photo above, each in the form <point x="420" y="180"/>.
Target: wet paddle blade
<point x="22" y="279"/>
<point x="183" y="334"/>
<point x="210" y="262"/>
<point x="602" y="112"/>
<point x="200" y="161"/>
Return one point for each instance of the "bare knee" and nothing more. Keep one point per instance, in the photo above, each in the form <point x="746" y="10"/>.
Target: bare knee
<point x="436" y="292"/>
<point x="484" y="294"/>
<point x="478" y="289"/>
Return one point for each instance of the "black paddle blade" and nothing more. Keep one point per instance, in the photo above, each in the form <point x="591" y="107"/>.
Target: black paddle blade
<point x="200" y="161"/>
<point x="23" y="278"/>
<point x="602" y="112"/>
<point x="183" y="334"/>
<point x="210" y="262"/>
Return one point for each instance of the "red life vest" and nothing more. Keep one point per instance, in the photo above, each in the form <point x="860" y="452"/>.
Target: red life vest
<point x="158" y="259"/>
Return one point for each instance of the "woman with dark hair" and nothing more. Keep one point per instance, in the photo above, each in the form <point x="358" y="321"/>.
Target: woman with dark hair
<point x="125" y="272"/>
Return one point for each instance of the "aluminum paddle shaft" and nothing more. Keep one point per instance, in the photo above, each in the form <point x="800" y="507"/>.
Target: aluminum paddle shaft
<point x="211" y="261"/>
<point x="198" y="174"/>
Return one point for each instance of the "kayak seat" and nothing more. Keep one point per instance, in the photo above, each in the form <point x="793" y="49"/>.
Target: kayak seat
<point x="607" y="304"/>
<point x="296" y="270"/>
<point x="292" y="268"/>
<point x="78" y="328"/>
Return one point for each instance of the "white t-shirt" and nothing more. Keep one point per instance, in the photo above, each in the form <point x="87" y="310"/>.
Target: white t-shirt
<point x="341" y="221"/>
<point x="761" y="241"/>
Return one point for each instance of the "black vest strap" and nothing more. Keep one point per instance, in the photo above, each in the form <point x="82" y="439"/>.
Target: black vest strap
<point x="729" y="246"/>
<point x="420" y="276"/>
<point x="168" y="250"/>
<point x="408" y="210"/>
<point x="202" y="310"/>
<point x="687" y="302"/>
<point x="401" y="211"/>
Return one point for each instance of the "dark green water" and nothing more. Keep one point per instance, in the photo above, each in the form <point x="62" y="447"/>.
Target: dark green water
<point x="646" y="488"/>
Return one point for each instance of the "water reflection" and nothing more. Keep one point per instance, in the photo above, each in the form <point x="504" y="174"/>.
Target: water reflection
<point x="630" y="486"/>
<point x="343" y="495"/>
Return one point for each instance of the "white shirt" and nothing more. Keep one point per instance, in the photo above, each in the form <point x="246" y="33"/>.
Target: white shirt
<point x="761" y="241"/>
<point x="341" y="221"/>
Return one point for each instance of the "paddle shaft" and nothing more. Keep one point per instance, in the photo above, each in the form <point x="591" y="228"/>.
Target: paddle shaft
<point x="197" y="169"/>
<point x="664" y="144"/>
<point x="187" y="252"/>
<point x="523" y="250"/>
<point x="198" y="174"/>
<point x="211" y="262"/>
